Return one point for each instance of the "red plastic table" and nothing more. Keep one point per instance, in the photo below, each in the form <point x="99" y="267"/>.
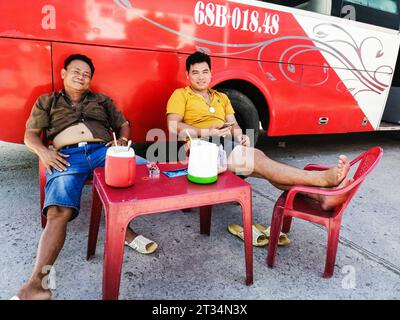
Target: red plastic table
<point x="156" y="195"/>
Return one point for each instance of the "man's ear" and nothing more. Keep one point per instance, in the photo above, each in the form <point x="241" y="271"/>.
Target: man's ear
<point x="187" y="75"/>
<point x="63" y="73"/>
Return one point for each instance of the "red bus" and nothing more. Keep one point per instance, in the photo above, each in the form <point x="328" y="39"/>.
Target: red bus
<point x="286" y="69"/>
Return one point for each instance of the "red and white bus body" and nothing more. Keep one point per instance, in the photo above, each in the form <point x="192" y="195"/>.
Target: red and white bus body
<point x="305" y="73"/>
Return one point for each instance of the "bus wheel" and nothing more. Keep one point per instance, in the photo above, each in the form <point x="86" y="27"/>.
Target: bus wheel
<point x="245" y="112"/>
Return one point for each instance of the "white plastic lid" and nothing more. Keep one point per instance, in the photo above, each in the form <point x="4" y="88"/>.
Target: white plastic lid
<point x="121" y="152"/>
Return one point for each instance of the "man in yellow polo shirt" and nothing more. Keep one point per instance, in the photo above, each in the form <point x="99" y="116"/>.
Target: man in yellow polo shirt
<point x="198" y="109"/>
<point x="202" y="112"/>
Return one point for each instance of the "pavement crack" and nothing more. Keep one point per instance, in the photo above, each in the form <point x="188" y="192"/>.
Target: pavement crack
<point x="270" y="198"/>
<point x="366" y="253"/>
<point x="350" y="244"/>
<point x="16" y="167"/>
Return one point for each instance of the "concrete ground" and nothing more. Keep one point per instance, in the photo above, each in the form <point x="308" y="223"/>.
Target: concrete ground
<point x="188" y="265"/>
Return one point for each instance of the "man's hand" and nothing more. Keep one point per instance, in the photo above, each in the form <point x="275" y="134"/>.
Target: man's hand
<point x="55" y="159"/>
<point x="243" y="140"/>
<point x="217" y="132"/>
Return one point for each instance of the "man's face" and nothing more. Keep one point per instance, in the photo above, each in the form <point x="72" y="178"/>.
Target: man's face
<point x="199" y="76"/>
<point x="77" y="76"/>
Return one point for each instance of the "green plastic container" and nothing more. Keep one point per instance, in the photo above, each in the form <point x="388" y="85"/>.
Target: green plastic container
<point x="199" y="180"/>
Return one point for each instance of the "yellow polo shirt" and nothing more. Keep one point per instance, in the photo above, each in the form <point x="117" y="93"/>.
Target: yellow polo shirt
<point x="195" y="110"/>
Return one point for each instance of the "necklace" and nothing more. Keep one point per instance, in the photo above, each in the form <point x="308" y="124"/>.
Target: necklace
<point x="207" y="100"/>
<point x="211" y="109"/>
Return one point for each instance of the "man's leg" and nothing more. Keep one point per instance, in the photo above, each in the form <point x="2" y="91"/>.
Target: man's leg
<point x="254" y="162"/>
<point x="50" y="245"/>
<point x="63" y="192"/>
<point x="282" y="176"/>
<point x="327" y="202"/>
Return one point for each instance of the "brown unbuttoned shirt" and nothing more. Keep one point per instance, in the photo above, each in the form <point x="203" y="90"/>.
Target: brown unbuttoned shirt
<point x="54" y="113"/>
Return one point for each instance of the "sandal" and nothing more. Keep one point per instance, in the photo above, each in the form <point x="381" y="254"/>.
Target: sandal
<point x="283" y="238"/>
<point x="142" y="244"/>
<point x="259" y="239"/>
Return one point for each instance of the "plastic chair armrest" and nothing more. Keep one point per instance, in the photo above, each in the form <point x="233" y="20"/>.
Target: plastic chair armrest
<point x="318" y="191"/>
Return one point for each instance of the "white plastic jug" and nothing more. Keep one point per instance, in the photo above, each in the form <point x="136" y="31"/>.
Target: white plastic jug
<point x="203" y="162"/>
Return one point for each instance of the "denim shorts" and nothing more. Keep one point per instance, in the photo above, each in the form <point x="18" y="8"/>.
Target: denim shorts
<point x="64" y="189"/>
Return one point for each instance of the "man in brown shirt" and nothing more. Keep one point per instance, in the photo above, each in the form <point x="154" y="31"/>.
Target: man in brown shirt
<point x="78" y="122"/>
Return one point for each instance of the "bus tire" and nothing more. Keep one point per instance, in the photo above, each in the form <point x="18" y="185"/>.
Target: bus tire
<point x="245" y="111"/>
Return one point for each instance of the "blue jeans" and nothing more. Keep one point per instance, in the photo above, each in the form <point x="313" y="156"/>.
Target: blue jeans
<point x="64" y="189"/>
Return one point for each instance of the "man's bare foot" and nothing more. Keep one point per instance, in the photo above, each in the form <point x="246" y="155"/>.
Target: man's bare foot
<point x="30" y="292"/>
<point x="335" y="175"/>
<point x="330" y="202"/>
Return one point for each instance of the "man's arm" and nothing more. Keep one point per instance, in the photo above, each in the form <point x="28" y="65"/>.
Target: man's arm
<point x="236" y="131"/>
<point x="124" y="134"/>
<point x="177" y="127"/>
<point x="50" y="158"/>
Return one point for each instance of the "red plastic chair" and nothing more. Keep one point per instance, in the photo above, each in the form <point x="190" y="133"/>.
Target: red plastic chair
<point x="291" y="204"/>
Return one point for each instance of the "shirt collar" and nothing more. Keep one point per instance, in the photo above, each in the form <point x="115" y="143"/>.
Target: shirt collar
<point x="190" y="91"/>
<point x="86" y="95"/>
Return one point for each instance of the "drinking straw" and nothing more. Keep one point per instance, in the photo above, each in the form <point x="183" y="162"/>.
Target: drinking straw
<point x="187" y="132"/>
<point x="115" y="139"/>
<point x="129" y="144"/>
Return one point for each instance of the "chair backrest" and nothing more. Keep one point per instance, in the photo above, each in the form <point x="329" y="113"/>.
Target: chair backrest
<point x="367" y="162"/>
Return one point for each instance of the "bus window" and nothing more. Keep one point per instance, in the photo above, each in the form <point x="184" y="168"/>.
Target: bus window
<point x="382" y="13"/>
<point x="319" y="6"/>
<point x="287" y="3"/>
<point x="383" y="5"/>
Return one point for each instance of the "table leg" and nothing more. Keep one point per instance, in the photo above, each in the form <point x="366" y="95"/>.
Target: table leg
<point x="205" y="220"/>
<point x="113" y="254"/>
<point x="248" y="245"/>
<point x="94" y="224"/>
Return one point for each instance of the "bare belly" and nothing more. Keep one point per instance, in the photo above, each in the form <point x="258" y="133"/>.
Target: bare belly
<point x="74" y="134"/>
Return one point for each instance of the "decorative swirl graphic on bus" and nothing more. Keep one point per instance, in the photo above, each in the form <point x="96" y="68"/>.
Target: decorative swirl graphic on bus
<point x="329" y="39"/>
<point x="357" y="66"/>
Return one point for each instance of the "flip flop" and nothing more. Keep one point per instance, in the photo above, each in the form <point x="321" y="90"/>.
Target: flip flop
<point x="14" y="298"/>
<point x="143" y="245"/>
<point x="283" y="238"/>
<point x="259" y="239"/>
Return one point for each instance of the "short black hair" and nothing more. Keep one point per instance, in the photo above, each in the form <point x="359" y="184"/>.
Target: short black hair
<point x="197" y="57"/>
<point x="81" y="57"/>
